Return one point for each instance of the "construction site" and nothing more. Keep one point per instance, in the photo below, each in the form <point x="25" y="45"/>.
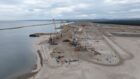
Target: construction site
<point x="90" y="50"/>
<point x="81" y="42"/>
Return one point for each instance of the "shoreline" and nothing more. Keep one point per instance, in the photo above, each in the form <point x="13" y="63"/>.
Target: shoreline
<point x="40" y="54"/>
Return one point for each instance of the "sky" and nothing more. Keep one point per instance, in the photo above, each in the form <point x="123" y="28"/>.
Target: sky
<point x="69" y="9"/>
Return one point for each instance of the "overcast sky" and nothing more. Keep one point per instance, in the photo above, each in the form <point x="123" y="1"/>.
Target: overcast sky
<point x="68" y="9"/>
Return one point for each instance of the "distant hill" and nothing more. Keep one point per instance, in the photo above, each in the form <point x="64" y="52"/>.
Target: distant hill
<point x="108" y="21"/>
<point x="119" y="21"/>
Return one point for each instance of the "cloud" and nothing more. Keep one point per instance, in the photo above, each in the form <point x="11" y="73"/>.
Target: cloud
<point x="69" y="9"/>
<point x="10" y="2"/>
<point x="121" y="1"/>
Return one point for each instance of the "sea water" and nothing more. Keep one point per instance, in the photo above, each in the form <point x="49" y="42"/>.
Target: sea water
<point x="16" y="52"/>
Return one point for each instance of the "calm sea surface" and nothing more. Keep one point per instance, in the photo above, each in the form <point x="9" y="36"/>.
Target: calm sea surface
<point x="16" y="52"/>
